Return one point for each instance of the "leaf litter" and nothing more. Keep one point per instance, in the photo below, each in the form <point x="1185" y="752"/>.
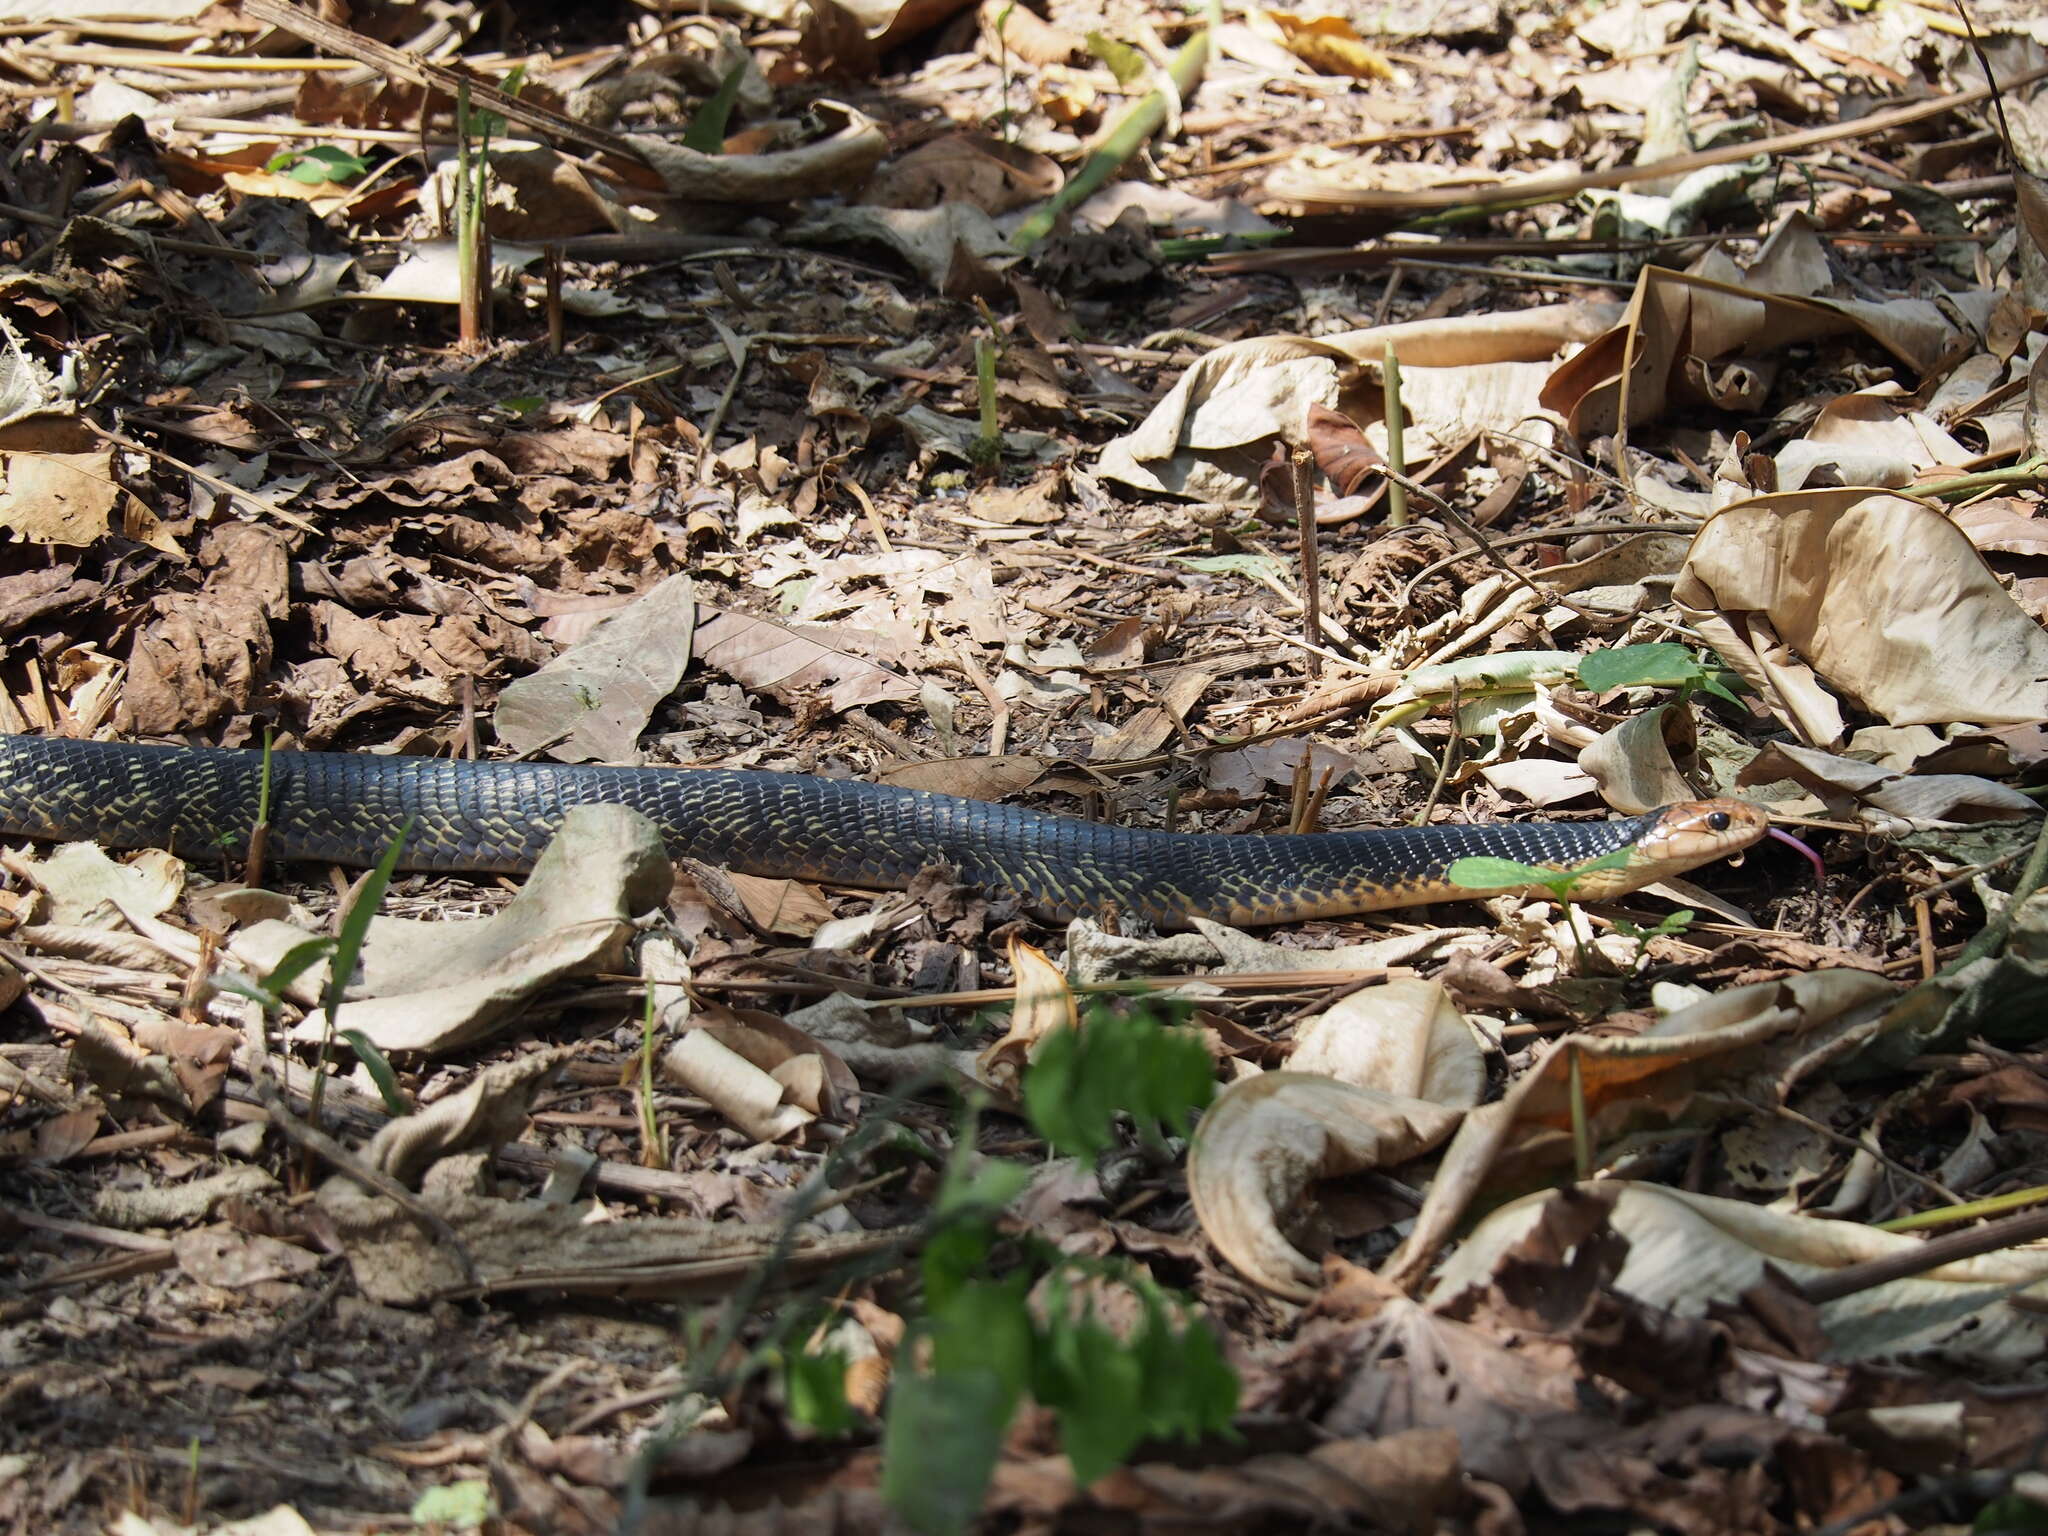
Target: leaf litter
<point x="1720" y="345"/>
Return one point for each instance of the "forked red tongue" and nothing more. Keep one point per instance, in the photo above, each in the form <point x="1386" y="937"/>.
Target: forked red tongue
<point x="1820" y="870"/>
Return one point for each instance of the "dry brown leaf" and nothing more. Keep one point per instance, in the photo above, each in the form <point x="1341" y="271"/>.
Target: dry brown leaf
<point x="2005" y="525"/>
<point x="1633" y="764"/>
<point x="1265" y="1139"/>
<point x="779" y="906"/>
<point x="1876" y="596"/>
<point x="1220" y="423"/>
<point x="966" y="168"/>
<point x="1044" y="1003"/>
<point x="201" y="658"/>
<point x="230" y="1259"/>
<point x="591" y="703"/>
<point x="1404" y="1037"/>
<point x="793" y="666"/>
<point x="1687" y="1252"/>
<point x="433" y="986"/>
<point x="970" y="778"/>
<point x="1624" y="1080"/>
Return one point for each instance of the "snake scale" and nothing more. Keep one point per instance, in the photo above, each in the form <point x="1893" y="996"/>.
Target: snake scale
<point x="345" y="808"/>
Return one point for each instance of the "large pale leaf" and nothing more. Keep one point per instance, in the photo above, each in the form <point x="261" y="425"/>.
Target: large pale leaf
<point x="1879" y="598"/>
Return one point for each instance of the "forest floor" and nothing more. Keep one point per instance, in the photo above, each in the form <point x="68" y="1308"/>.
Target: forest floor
<point x="1713" y="339"/>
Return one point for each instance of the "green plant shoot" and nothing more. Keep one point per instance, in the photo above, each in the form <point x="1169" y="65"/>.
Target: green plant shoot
<point x="706" y="132"/>
<point x="1083" y="1078"/>
<point x="1660" y="665"/>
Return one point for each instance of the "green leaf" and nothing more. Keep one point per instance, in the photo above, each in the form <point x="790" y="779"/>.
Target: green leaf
<point x="1096" y="1392"/>
<point x="1481" y="873"/>
<point x="1484" y="873"/>
<point x="379" y="1067"/>
<point x="1662" y="664"/>
<point x="348" y="944"/>
<point x="524" y="405"/>
<point x="2013" y="1514"/>
<point x="706" y="132"/>
<point x="940" y="1446"/>
<point x="1672" y="923"/>
<point x="317" y="164"/>
<point x="461" y="1506"/>
<point x="1121" y="59"/>
<point x="817" y="1391"/>
<point x="986" y="1327"/>
<point x="1717" y="683"/>
<point x="1115" y="1064"/>
<point x="295" y="962"/>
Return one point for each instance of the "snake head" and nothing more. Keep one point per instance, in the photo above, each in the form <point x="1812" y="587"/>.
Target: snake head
<point x="1696" y="832"/>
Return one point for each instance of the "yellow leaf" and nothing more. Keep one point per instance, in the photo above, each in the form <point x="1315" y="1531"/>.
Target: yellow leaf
<point x="1328" y="44"/>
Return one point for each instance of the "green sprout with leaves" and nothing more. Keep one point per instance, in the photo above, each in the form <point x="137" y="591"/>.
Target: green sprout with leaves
<point x="1484" y="875"/>
<point x="1006" y="1315"/>
<point x="341" y="953"/>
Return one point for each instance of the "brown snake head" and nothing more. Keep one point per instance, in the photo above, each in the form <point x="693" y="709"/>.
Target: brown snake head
<point x="1687" y="835"/>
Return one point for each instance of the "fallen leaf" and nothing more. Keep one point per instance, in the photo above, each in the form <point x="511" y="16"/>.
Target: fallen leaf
<point x="591" y="703"/>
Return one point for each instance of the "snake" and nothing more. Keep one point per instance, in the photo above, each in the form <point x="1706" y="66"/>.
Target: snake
<point x="496" y="817"/>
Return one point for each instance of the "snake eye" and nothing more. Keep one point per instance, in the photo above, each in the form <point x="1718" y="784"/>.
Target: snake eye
<point x="1718" y="820"/>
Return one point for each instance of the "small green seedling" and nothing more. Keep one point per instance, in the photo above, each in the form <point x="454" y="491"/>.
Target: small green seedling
<point x="706" y="130"/>
<point x="986" y="449"/>
<point x="341" y="953"/>
<point x="1083" y="1078"/>
<point x="1674" y="923"/>
<point x="1661" y="665"/>
<point x="317" y="166"/>
<point x="1483" y="874"/>
<point x="1006" y="1314"/>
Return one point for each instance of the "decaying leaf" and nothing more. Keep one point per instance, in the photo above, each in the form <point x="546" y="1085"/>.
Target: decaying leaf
<point x="591" y="703"/>
<point x="1620" y="1081"/>
<point x="1688" y="1251"/>
<point x="790" y="665"/>
<point x="1265" y="1139"/>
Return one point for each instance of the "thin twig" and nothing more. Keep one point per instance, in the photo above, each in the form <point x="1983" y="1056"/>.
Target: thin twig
<point x="1311" y="551"/>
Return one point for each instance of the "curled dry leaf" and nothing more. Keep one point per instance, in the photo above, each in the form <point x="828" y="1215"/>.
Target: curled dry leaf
<point x="1403" y="1037"/>
<point x="811" y="1075"/>
<point x="1689" y="1251"/>
<point x="1877" y="597"/>
<point x="1624" y="1080"/>
<point x="839" y="159"/>
<point x="1632" y="763"/>
<point x="750" y="1098"/>
<point x="1214" y="430"/>
<point x="1044" y="1003"/>
<point x="1266" y="1139"/>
